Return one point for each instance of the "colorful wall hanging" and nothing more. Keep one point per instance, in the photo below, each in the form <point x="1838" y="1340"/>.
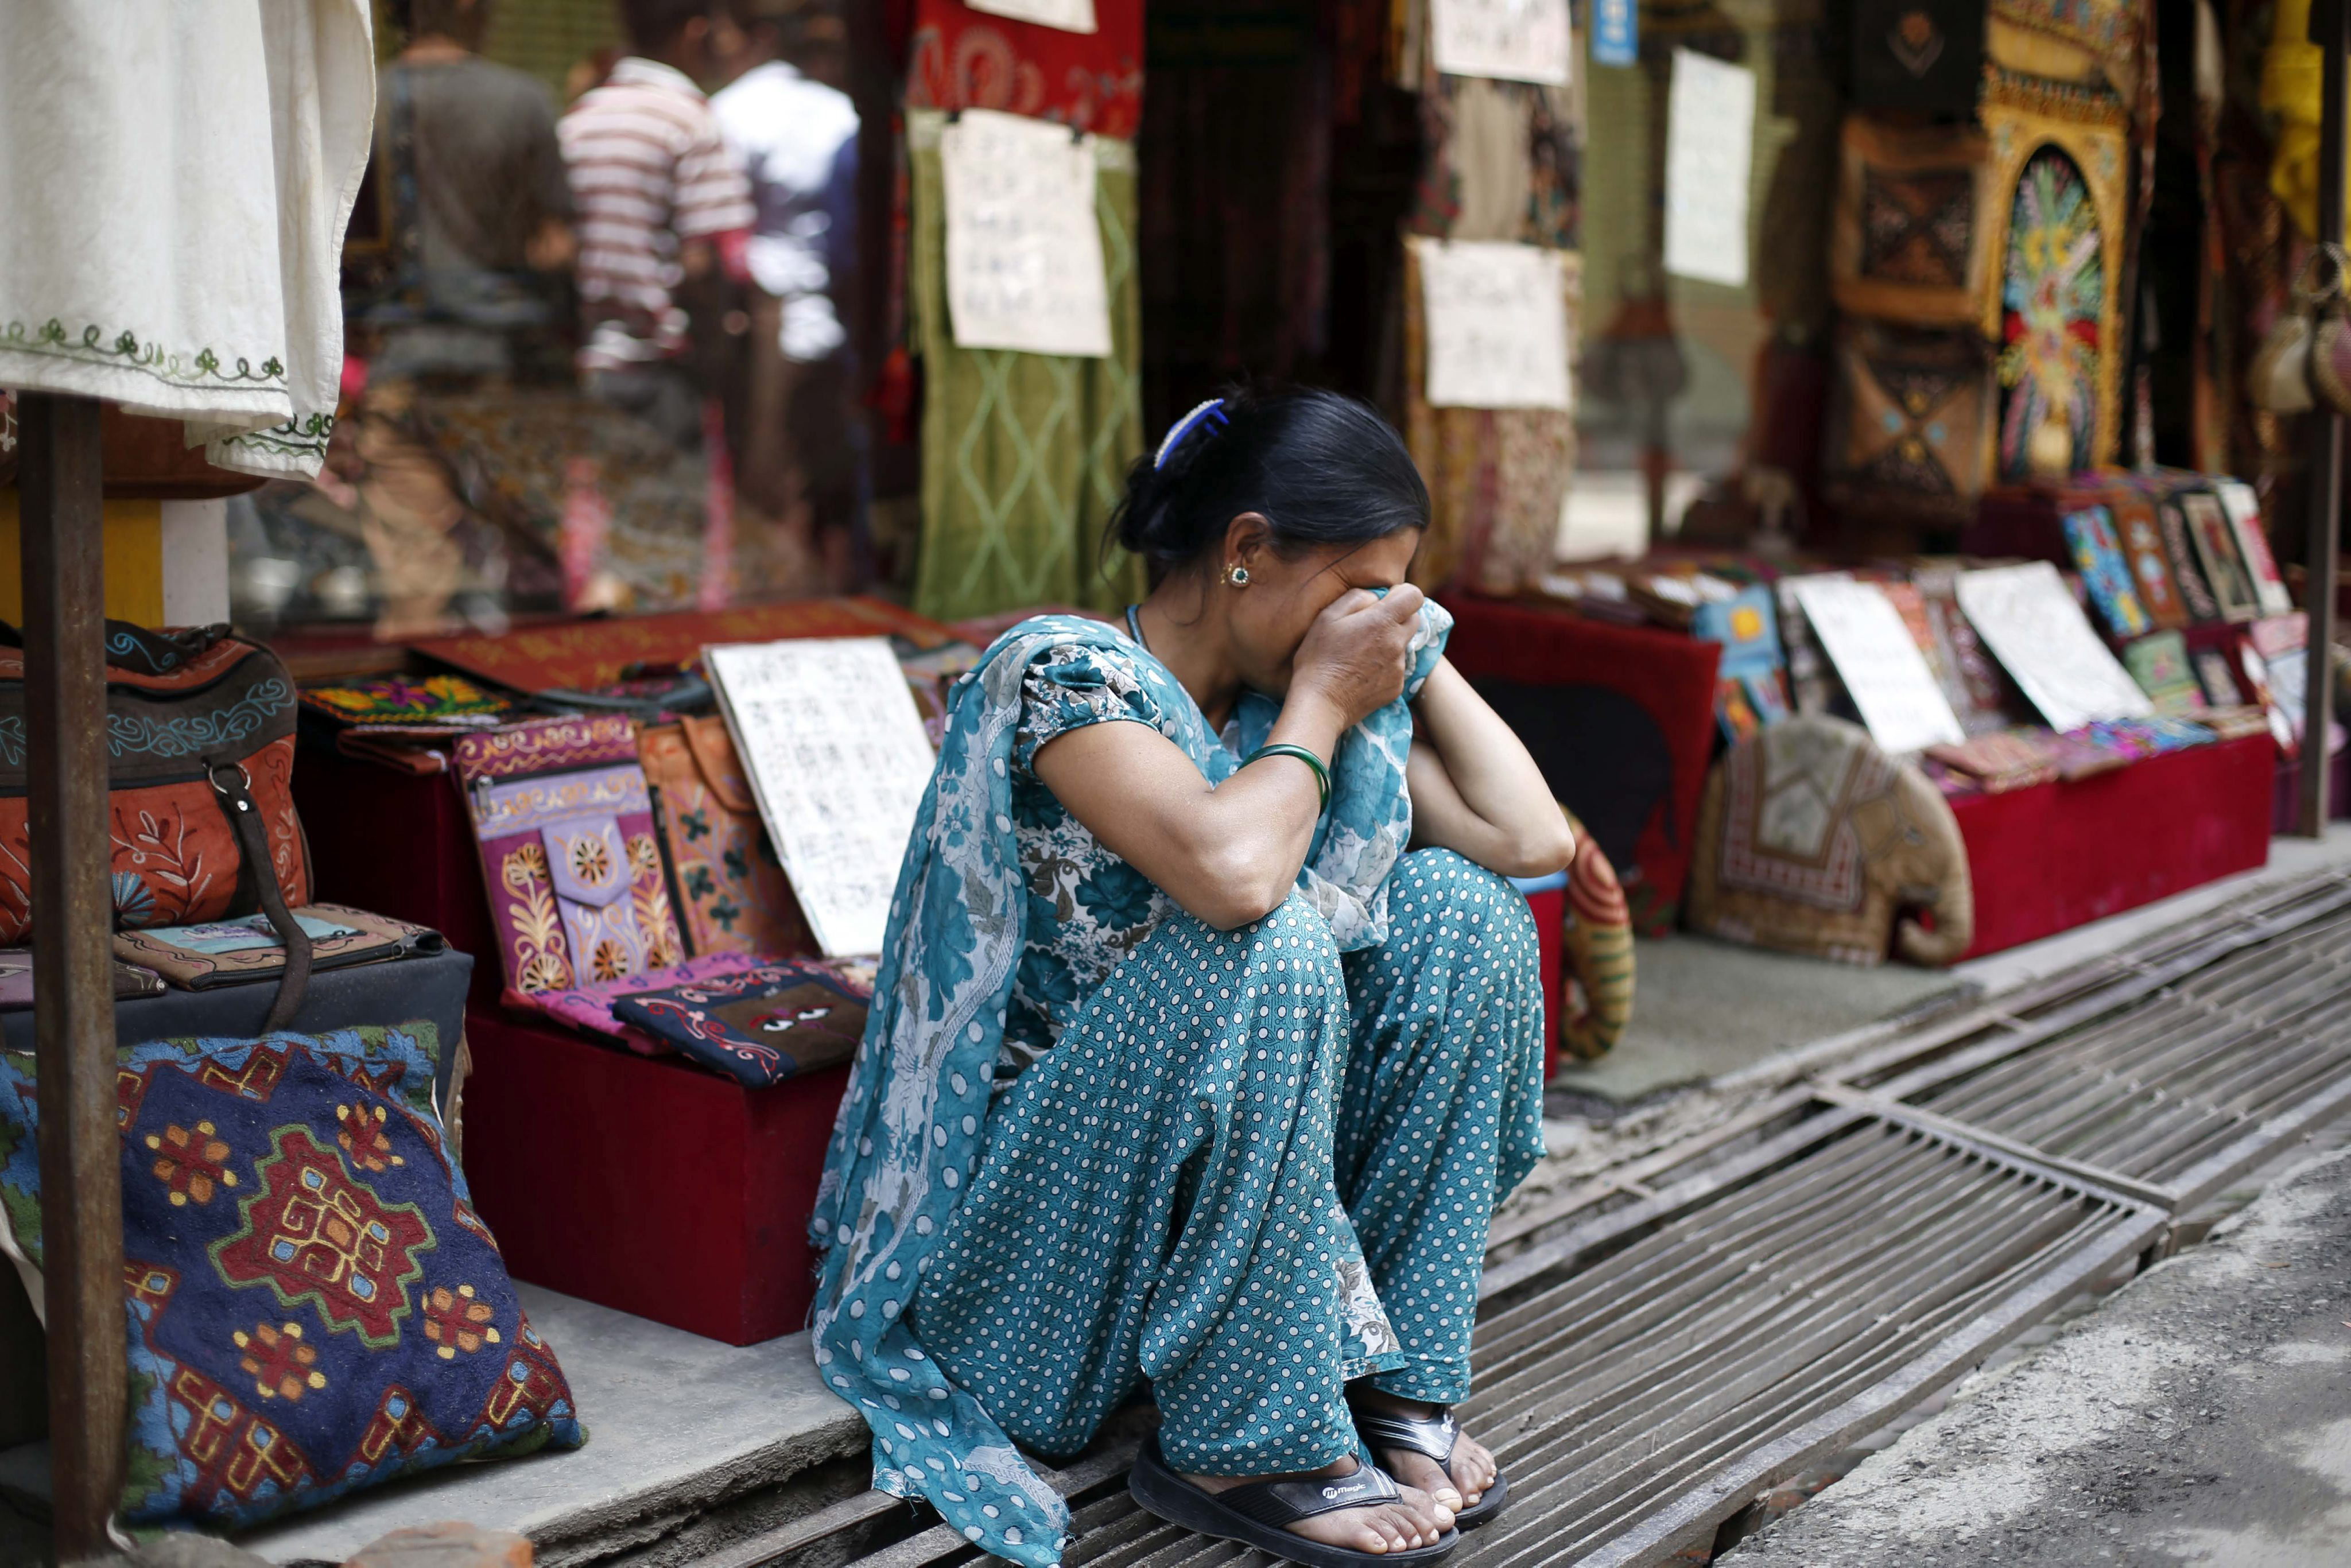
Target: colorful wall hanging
<point x="2059" y="178"/>
<point x="1023" y="455"/>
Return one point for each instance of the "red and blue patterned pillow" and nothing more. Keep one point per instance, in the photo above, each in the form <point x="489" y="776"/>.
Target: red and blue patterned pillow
<point x="313" y="1306"/>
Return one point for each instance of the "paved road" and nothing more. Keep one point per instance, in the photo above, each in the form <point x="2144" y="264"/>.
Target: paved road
<point x="2202" y="1416"/>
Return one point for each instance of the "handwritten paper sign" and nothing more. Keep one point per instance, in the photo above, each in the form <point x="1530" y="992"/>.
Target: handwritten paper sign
<point x="1510" y="40"/>
<point x="1709" y="152"/>
<point x="1024" y="249"/>
<point x="1879" y="662"/>
<point x="2028" y="618"/>
<point x="1497" y="320"/>
<point x="828" y="733"/>
<point x="1069" y="15"/>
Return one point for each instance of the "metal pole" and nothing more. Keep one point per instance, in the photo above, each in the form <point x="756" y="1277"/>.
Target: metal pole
<point x="2327" y="20"/>
<point x="59" y="475"/>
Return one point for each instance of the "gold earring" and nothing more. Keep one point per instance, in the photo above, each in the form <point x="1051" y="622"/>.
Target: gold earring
<point x="1237" y="574"/>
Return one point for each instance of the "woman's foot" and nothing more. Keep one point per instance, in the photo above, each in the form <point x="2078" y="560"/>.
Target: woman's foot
<point x="1473" y="1469"/>
<point x="1413" y="1519"/>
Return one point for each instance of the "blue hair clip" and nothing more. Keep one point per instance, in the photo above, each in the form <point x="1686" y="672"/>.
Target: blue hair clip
<point x="1210" y="412"/>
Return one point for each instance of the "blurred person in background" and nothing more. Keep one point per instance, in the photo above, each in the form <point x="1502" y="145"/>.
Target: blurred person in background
<point x="796" y="139"/>
<point x="663" y="210"/>
<point x="479" y="208"/>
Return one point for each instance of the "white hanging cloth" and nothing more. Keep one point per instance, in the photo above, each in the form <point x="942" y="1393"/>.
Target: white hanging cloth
<point x="177" y="179"/>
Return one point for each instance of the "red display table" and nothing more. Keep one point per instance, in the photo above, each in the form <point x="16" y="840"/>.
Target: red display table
<point x="645" y="1184"/>
<point x="2055" y="856"/>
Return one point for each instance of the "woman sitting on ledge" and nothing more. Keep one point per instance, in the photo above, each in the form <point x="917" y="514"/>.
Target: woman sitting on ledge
<point x="1181" y="1071"/>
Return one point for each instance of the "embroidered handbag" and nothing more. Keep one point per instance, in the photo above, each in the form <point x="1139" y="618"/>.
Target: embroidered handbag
<point x="2286" y="373"/>
<point x="199" y="737"/>
<point x="2330" y="339"/>
<point x="728" y="882"/>
<point x="566" y="832"/>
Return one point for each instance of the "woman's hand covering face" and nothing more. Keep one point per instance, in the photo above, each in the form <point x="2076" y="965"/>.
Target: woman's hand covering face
<point x="1357" y="652"/>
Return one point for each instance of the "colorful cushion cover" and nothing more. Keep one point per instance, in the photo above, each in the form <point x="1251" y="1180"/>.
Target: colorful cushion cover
<point x="313" y="1306"/>
<point x="760" y="1026"/>
<point x="566" y="832"/>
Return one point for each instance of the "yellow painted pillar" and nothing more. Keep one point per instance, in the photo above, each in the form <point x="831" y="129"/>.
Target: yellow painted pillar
<point x="166" y="563"/>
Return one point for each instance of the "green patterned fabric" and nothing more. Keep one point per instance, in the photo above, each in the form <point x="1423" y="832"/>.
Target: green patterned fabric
<point x="1023" y="454"/>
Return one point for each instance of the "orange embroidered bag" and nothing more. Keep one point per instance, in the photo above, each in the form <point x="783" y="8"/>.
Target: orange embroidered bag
<point x="200" y="765"/>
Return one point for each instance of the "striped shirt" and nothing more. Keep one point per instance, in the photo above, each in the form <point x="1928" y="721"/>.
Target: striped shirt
<point x="649" y="170"/>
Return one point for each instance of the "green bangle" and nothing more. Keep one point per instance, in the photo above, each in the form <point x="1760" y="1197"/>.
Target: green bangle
<point x="1283" y="749"/>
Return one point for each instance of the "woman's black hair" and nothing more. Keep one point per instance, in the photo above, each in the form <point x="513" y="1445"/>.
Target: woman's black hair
<point x="1320" y="468"/>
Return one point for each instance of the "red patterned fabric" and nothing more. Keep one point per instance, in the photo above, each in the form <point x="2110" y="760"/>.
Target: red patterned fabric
<point x="966" y="60"/>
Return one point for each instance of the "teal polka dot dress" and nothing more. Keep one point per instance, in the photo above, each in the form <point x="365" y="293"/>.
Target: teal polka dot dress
<point x="1094" y="1147"/>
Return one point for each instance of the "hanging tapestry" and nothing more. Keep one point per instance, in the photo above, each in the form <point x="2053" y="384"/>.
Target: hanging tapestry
<point x="963" y="58"/>
<point x="1024" y="455"/>
<point x="1496" y="477"/>
<point x="1911" y="418"/>
<point x="1503" y="161"/>
<point x="312" y="1305"/>
<point x="1917" y="56"/>
<point x="2096" y="43"/>
<point x="1911" y="240"/>
<point x="2053" y="306"/>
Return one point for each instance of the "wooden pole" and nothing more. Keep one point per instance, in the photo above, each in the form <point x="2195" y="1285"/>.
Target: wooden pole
<point x="2328" y="30"/>
<point x="58" y="475"/>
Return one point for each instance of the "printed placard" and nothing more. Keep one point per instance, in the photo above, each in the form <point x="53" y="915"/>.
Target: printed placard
<point x="2028" y="618"/>
<point x="1508" y="40"/>
<point x="1023" y="247"/>
<point x="1069" y="15"/>
<point x="1879" y="662"/>
<point x="1710" y="155"/>
<point x="835" y="751"/>
<point x="1497" y="324"/>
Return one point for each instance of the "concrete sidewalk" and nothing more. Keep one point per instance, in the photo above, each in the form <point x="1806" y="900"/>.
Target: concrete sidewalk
<point x="2201" y="1415"/>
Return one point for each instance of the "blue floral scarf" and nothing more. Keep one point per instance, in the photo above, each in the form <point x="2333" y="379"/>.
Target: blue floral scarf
<point x="911" y="1123"/>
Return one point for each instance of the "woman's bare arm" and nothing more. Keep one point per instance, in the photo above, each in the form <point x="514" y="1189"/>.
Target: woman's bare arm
<point x="1229" y="854"/>
<point x="1475" y="790"/>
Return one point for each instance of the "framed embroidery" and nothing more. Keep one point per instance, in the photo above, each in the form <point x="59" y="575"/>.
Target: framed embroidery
<point x="2215" y="539"/>
<point x="2142" y="546"/>
<point x="2098" y="554"/>
<point x="1911" y="238"/>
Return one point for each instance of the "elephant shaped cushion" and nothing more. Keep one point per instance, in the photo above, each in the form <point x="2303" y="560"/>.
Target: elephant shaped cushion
<point x="1811" y="839"/>
<point x="1597" y="950"/>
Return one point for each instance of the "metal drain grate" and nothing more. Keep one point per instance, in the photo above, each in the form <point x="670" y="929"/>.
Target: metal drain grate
<point x="1669" y="1339"/>
<point x="2173" y="1096"/>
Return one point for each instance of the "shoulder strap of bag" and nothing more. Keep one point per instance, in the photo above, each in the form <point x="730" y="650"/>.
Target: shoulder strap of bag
<point x="234" y="789"/>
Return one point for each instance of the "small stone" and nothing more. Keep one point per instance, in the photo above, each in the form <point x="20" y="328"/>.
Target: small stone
<point x="191" y="1551"/>
<point x="452" y="1545"/>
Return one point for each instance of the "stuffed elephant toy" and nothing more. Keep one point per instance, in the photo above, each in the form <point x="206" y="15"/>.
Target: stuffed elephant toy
<point x="1811" y="839"/>
<point x="1597" y="952"/>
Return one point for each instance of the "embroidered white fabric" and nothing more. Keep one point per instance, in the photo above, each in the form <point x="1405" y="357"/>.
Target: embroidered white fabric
<point x="178" y="181"/>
